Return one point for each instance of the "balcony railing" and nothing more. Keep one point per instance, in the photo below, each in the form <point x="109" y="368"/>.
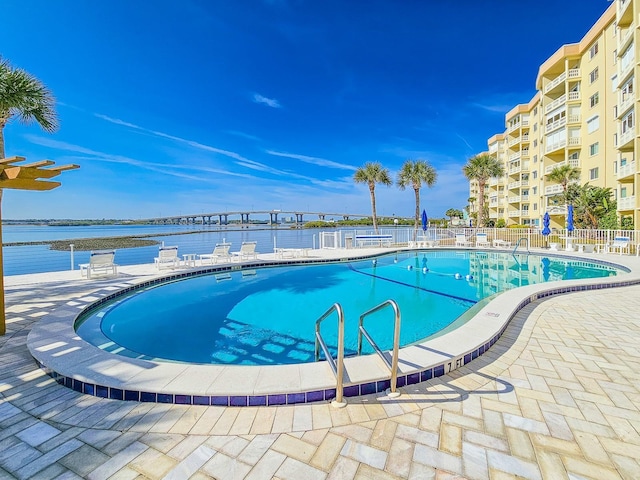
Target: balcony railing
<point x="626" y="137"/>
<point x="575" y="118"/>
<point x="515" y="156"/>
<point x="575" y="141"/>
<point x="515" y="199"/>
<point x="553" y="190"/>
<point x="574" y="73"/>
<point x="627" y="203"/>
<point x="514" y="213"/>
<point x="551" y="147"/>
<point x="556" y="81"/>
<point x="626" y="170"/>
<point x="574" y="162"/>
<point x="625" y="102"/>
<point x="521" y="183"/>
<point x="556" y="103"/>
<point x="574" y="96"/>
<point x="549" y="127"/>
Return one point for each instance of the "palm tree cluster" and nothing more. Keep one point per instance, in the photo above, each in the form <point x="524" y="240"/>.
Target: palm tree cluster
<point x="413" y="173"/>
<point x="480" y="169"/>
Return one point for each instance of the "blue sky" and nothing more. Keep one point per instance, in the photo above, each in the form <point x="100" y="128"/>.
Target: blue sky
<point x="208" y="105"/>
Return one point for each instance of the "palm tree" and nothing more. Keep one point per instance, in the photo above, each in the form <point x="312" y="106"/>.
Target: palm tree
<point x="481" y="168"/>
<point x="414" y="174"/>
<point x="26" y="98"/>
<point x="372" y="173"/>
<point x="564" y="174"/>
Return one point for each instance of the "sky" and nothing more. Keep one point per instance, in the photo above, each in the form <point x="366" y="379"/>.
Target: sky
<point x="177" y="108"/>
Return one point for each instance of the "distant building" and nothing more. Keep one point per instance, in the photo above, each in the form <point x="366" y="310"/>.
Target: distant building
<point x="582" y="115"/>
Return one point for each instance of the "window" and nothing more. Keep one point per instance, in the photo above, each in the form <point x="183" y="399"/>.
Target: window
<point x="574" y="156"/>
<point x="615" y="168"/>
<point x="593" y="173"/>
<point x="615" y="139"/>
<point x="534" y="191"/>
<point x="535" y="159"/>
<point x="614" y="82"/>
<point x="535" y="111"/>
<point x="627" y="122"/>
<point x="593" y="123"/>
<point x="615" y="56"/>
<point x="626" y="92"/>
<point x="593" y="51"/>
<point x="623" y="192"/>
<point x="535" y="143"/>
<point x="594" y="99"/>
<point x="615" y="111"/>
<point x="535" y="127"/>
<point x="535" y="174"/>
<point x="594" y="148"/>
<point x="535" y="206"/>
<point x="593" y="76"/>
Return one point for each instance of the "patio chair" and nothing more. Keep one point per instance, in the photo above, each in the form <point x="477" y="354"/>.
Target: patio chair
<point x="247" y="250"/>
<point x="461" y="240"/>
<point x="220" y="252"/>
<point x="482" y="240"/>
<point x="619" y="244"/>
<point x="99" y="261"/>
<point x="167" y="256"/>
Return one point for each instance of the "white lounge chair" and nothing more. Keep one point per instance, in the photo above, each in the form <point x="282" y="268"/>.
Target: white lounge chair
<point x="220" y="252"/>
<point x="247" y="250"/>
<point x="167" y="256"/>
<point x="99" y="261"/>
<point x="619" y="244"/>
<point x="461" y="240"/>
<point x="482" y="240"/>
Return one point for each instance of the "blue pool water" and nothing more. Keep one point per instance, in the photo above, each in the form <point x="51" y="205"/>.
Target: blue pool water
<point x="267" y="315"/>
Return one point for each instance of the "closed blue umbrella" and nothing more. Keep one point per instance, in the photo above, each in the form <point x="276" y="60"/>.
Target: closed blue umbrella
<point x="545" y="224"/>
<point x="424" y="220"/>
<point x="570" y="218"/>
<point x="546" y="220"/>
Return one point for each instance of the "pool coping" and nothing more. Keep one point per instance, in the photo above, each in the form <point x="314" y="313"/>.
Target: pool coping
<point x="72" y="362"/>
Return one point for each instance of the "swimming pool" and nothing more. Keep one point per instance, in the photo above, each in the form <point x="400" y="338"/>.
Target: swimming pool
<point x="266" y="316"/>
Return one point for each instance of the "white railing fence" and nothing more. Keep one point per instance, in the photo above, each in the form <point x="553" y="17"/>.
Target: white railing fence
<point x="26" y="259"/>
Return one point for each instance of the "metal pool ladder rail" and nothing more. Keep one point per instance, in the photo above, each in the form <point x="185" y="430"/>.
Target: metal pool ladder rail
<point x="338" y="369"/>
<point x="393" y="366"/>
<point x="518" y="244"/>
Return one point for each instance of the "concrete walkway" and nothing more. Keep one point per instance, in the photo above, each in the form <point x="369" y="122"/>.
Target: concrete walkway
<point x="558" y="397"/>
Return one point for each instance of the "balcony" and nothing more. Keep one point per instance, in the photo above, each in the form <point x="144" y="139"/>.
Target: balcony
<point x="626" y="170"/>
<point x="573" y="96"/>
<point x="493" y="182"/>
<point x="626" y="138"/>
<point x="521" y="183"/>
<point x="575" y="118"/>
<point x="627" y="203"/>
<point x="515" y="199"/>
<point x="513" y="141"/>
<point x="553" y="190"/>
<point x="625" y="13"/>
<point x="625" y="103"/>
<point x="552" y="147"/>
<point x="556" y="81"/>
<point x="549" y="127"/>
<point x="556" y="103"/>
<point x="556" y="209"/>
<point x="493" y="215"/>
<point x="574" y="73"/>
<point x="525" y="153"/>
<point x="514" y="213"/>
<point x="515" y="156"/>
<point x="625" y="68"/>
<point x="574" y="162"/>
<point x="524" y="198"/>
<point x="575" y="141"/>
<point x="513" y="127"/>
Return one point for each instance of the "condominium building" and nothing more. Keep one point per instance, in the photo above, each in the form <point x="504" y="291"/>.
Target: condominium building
<point x="583" y="115"/>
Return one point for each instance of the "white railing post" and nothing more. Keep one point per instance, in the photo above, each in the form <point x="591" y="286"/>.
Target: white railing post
<point x="71" y="250"/>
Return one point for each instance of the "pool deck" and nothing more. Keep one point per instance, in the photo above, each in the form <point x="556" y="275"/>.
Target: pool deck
<point x="557" y="396"/>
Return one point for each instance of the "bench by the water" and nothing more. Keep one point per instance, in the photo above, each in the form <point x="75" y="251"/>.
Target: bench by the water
<point x="374" y="240"/>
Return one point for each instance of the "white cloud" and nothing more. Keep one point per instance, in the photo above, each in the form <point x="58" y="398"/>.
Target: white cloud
<point x="270" y="102"/>
<point x="313" y="160"/>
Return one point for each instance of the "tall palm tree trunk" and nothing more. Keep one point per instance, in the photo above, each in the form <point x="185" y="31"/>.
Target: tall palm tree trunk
<point x="417" y="190"/>
<point x="480" y="222"/>
<point x="373" y="208"/>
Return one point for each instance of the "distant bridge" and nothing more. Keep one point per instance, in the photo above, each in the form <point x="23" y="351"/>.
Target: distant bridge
<point x="222" y="218"/>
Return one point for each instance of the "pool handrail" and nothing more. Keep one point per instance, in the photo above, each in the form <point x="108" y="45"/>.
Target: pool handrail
<point x="518" y="244"/>
<point x="338" y="369"/>
<point x="393" y="366"/>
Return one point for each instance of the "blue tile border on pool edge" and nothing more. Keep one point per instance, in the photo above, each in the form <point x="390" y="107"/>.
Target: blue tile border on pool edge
<point x="355" y="390"/>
